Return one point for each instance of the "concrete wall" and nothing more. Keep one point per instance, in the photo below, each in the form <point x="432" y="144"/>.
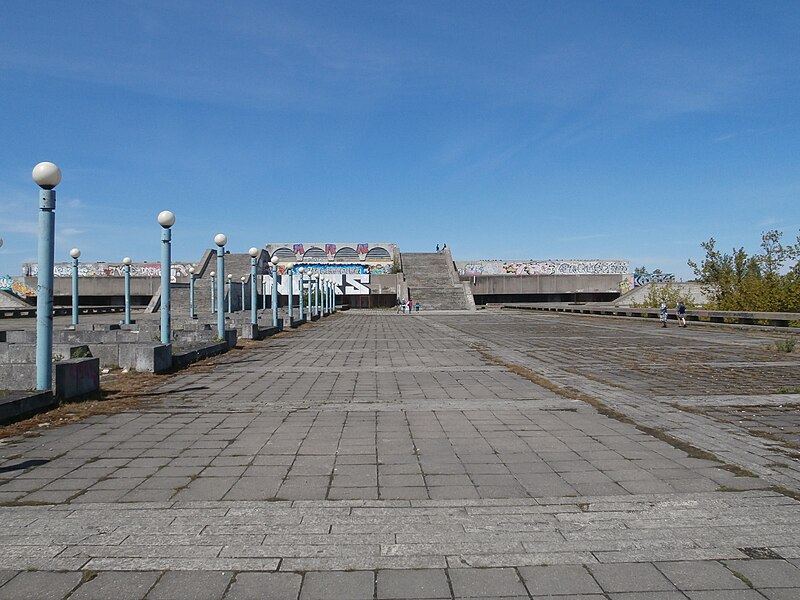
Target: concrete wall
<point x="543" y="284"/>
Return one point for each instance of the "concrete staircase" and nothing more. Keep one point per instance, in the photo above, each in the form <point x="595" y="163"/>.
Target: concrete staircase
<point x="432" y="281"/>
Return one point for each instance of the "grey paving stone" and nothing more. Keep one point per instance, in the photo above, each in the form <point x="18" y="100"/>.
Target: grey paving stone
<point x="700" y="575"/>
<point x="354" y="585"/>
<point x="41" y="585"/>
<point x="767" y="573"/>
<point x="117" y="586"/>
<point x="265" y="586"/>
<point x="781" y="593"/>
<point x="630" y="577"/>
<point x="725" y="595"/>
<point x="486" y="583"/>
<point x="559" y="580"/>
<point x="191" y="585"/>
<point x="412" y="584"/>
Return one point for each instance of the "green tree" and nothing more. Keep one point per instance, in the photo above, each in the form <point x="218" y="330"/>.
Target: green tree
<point x="760" y="282"/>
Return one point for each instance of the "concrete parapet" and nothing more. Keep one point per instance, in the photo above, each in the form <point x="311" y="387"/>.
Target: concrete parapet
<point x="18" y="405"/>
<point x="76" y="377"/>
<point x="184" y="359"/>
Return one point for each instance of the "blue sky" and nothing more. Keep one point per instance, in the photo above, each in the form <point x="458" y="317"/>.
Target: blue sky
<point x="631" y="130"/>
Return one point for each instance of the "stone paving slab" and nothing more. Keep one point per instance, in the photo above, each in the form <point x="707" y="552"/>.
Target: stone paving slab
<point x="372" y="455"/>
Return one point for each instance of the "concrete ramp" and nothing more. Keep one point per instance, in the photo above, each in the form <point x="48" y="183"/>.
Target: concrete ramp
<point x="9" y="300"/>
<point x="432" y="281"/>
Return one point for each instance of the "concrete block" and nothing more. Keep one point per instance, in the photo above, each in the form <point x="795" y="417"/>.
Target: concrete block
<point x="19" y="405"/>
<point x="146" y="358"/>
<point x="230" y="337"/>
<point x="21" y="336"/>
<point x="21" y="353"/>
<point x="76" y="377"/>
<point x="251" y="332"/>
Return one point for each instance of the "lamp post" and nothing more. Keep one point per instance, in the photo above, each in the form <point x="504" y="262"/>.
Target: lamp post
<point x="191" y="293"/>
<point x="75" y="253"/>
<point x="47" y="176"/>
<point x="166" y="219"/>
<point x="300" y="273"/>
<point x="319" y="294"/>
<point x="230" y="293"/>
<point x="312" y="293"/>
<point x="324" y="294"/>
<point x="253" y="252"/>
<point x="220" y="240"/>
<point x="213" y="289"/>
<point x="334" y="287"/>
<point x="274" y="262"/>
<point x="243" y="279"/>
<point x="288" y="272"/>
<point x="127" y="269"/>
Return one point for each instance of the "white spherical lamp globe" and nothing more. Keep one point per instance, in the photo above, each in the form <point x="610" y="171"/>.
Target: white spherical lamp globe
<point x="220" y="239"/>
<point x="301" y="270"/>
<point x="230" y="276"/>
<point x="274" y="260"/>
<point x="166" y="218"/>
<point x="243" y="278"/>
<point x="46" y="175"/>
<point x="75" y="253"/>
<point x="127" y="261"/>
<point x="253" y="252"/>
<point x="213" y="273"/>
<point x="191" y="270"/>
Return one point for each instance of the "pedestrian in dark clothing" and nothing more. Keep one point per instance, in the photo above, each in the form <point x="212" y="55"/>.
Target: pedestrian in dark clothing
<point x="681" y="313"/>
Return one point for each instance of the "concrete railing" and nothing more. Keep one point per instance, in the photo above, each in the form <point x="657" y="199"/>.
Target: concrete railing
<point x="14" y="313"/>
<point x="774" y="319"/>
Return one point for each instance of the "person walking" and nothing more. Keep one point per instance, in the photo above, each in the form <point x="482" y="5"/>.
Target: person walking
<point x="681" y="313"/>
<point x="410" y="304"/>
<point x="662" y="313"/>
<point x="416" y="306"/>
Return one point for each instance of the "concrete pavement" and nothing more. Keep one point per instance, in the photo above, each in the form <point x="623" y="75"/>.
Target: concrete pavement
<point x="433" y="455"/>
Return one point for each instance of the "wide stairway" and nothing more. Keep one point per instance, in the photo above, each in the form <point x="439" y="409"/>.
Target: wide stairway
<point x="433" y="281"/>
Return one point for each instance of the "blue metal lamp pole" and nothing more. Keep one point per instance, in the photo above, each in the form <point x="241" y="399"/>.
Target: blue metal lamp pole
<point x="319" y="294"/>
<point x="253" y="252"/>
<point x="191" y="293"/>
<point x="300" y="273"/>
<point x="274" y="262"/>
<point x="127" y="268"/>
<point x="166" y="219"/>
<point x="213" y="289"/>
<point x="288" y="272"/>
<point x="230" y="293"/>
<point x="75" y="253"/>
<point x="244" y="304"/>
<point x="220" y="240"/>
<point x="324" y="292"/>
<point x="47" y="176"/>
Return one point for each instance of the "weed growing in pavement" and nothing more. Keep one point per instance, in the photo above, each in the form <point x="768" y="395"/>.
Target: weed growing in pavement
<point x="785" y="345"/>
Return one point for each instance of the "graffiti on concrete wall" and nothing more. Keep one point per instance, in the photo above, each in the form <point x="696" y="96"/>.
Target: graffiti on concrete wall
<point x="640" y="279"/>
<point x="16" y="286"/>
<point x="543" y="267"/>
<point x="103" y="269"/>
<point x="339" y="268"/>
<point x="346" y="284"/>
